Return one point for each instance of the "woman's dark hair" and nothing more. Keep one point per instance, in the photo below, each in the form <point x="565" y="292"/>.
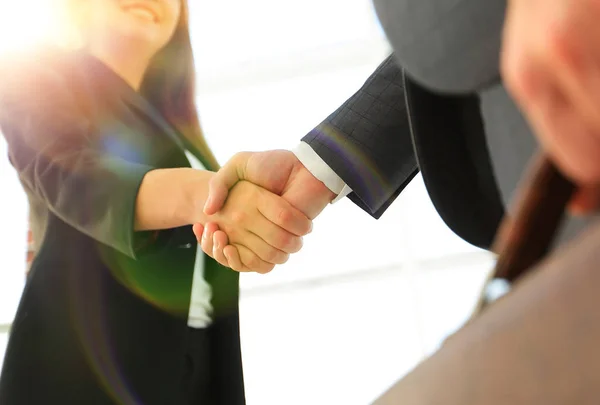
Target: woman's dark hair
<point x="170" y="85"/>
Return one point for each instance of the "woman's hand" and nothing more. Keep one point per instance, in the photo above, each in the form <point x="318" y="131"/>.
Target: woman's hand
<point x="215" y="243"/>
<point x="551" y="66"/>
<point x="261" y="226"/>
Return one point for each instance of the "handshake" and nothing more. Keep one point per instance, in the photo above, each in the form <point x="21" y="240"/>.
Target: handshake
<point x="260" y="205"/>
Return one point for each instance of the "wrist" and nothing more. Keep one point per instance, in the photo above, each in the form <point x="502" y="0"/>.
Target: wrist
<point x="170" y="198"/>
<point x="323" y="197"/>
<point x="328" y="194"/>
<point x="195" y="193"/>
<point x="307" y="193"/>
<point x="312" y="162"/>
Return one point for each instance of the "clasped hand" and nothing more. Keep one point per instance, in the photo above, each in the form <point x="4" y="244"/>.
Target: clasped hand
<point x="281" y="173"/>
<point x="262" y="227"/>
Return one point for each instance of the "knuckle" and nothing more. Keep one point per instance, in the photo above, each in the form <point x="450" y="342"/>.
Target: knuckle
<point x="290" y="243"/>
<point x="232" y="238"/>
<point x="239" y="217"/>
<point x="236" y="266"/>
<point x="307" y="227"/>
<point x="232" y="232"/>
<point x="284" y="239"/>
<point x="253" y="262"/>
<point x="285" y="217"/>
<point x="233" y="162"/>
<point x="266" y="269"/>
<point x="207" y="248"/>
<point x="239" y="156"/>
<point x="272" y="255"/>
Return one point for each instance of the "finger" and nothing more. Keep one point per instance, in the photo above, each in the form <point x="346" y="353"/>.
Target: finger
<point x="586" y="201"/>
<point x="207" y="238"/>
<point x="219" y="186"/>
<point x="198" y="230"/>
<point x="252" y="262"/>
<point x="243" y="222"/>
<point x="233" y="258"/>
<point x="260" y="247"/>
<point x="220" y="240"/>
<point x="265" y="238"/>
<point x="281" y="213"/>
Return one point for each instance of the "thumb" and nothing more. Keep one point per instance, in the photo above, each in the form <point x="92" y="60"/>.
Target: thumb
<point x="218" y="187"/>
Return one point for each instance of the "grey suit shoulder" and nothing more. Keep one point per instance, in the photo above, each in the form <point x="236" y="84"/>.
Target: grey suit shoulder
<point x="446" y="45"/>
<point x="453" y="47"/>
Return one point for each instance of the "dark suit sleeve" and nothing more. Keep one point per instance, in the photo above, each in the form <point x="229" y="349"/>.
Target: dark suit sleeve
<point x="367" y="141"/>
<point x="52" y="146"/>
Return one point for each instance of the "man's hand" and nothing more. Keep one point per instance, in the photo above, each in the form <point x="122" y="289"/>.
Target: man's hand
<point x="262" y="227"/>
<point x="278" y="171"/>
<point x="551" y="65"/>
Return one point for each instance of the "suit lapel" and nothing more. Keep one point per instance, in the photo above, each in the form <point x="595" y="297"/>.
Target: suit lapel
<point x="140" y="105"/>
<point x="452" y="154"/>
<point x="118" y="87"/>
<point x="143" y="107"/>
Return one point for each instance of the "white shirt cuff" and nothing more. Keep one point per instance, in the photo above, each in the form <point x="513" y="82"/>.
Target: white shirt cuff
<point x="322" y="172"/>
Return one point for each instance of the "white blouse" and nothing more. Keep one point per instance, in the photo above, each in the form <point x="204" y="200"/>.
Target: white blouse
<point x="200" y="308"/>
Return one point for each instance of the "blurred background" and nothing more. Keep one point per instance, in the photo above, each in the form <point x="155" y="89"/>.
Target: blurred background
<point x="365" y="300"/>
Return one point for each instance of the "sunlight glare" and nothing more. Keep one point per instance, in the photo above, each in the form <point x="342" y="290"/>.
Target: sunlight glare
<point x="28" y="22"/>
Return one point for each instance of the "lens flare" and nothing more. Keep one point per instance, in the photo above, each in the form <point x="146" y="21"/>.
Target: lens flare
<point x="26" y="23"/>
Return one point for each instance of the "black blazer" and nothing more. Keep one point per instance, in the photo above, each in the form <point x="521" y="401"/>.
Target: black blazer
<point x="380" y="138"/>
<point x="103" y="317"/>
